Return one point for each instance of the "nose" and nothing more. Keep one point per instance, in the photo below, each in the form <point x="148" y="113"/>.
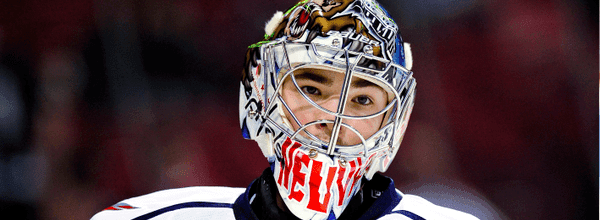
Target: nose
<point x="331" y="104"/>
<point x="324" y="129"/>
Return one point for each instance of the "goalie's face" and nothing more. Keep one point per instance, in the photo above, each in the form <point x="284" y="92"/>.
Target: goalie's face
<point x="324" y="88"/>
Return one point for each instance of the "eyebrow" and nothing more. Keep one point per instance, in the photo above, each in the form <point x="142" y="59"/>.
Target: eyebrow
<point x="359" y="83"/>
<point x="314" y="77"/>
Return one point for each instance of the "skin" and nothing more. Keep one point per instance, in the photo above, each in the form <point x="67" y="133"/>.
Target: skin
<point x="323" y="87"/>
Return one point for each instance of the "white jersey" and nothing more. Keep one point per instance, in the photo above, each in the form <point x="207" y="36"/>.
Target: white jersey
<point x="223" y="203"/>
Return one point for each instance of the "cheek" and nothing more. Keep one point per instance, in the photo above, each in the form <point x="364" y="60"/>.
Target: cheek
<point x="291" y="99"/>
<point x="368" y="127"/>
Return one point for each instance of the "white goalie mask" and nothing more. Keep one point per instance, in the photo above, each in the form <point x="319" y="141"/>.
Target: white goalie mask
<point x="327" y="96"/>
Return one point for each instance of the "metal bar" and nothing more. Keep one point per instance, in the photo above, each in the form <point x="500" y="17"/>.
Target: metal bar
<point x="341" y="105"/>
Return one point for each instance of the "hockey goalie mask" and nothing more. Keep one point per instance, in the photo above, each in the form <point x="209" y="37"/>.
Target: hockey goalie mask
<point x="327" y="96"/>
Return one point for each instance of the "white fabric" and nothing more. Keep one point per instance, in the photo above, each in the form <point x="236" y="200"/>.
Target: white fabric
<point x="161" y="199"/>
<point x="425" y="210"/>
<point x="165" y="198"/>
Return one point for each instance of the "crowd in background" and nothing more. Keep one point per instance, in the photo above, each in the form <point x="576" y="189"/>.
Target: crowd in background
<point x="105" y="100"/>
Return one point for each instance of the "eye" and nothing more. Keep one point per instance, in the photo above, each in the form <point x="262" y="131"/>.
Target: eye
<point x="310" y="90"/>
<point x="363" y="100"/>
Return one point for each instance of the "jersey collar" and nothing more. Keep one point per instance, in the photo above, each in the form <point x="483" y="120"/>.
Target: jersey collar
<point x="377" y="198"/>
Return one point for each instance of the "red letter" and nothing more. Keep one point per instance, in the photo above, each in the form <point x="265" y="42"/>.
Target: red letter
<point x="315" y="184"/>
<point x="354" y="173"/>
<point x="341" y="187"/>
<point x="298" y="178"/>
<point x="354" y="178"/>
<point x="287" y="152"/>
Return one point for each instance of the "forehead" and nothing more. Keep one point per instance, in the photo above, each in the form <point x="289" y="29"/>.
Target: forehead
<point x="329" y="77"/>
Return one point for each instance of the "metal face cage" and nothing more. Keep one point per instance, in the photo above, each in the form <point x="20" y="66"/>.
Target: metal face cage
<point x="284" y="60"/>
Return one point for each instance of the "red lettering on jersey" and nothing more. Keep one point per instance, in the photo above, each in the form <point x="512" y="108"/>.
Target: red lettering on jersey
<point x="314" y="202"/>
<point x="120" y="206"/>
<point x="284" y="172"/>
<point x="298" y="178"/>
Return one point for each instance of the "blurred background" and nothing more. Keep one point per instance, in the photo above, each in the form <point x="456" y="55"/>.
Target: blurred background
<point x="105" y="100"/>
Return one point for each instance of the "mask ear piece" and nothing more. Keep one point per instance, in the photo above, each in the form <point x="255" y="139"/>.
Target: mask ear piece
<point x="408" y="59"/>
<point x="272" y="24"/>
<point x="266" y="146"/>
